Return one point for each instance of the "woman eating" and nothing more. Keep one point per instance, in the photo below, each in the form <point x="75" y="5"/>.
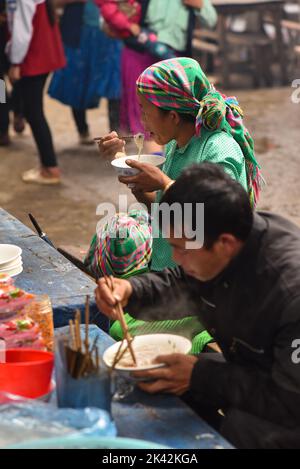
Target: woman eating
<point x="196" y="124"/>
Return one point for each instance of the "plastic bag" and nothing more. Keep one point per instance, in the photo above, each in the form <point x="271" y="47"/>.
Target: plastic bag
<point x="12" y="298"/>
<point x="17" y="329"/>
<point x="28" y="421"/>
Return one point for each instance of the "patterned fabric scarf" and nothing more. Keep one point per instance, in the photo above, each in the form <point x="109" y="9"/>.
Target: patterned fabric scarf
<point x="180" y="84"/>
<point x="122" y="247"/>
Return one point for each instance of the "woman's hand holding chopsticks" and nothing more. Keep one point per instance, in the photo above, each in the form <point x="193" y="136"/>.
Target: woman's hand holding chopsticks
<point x="110" y="144"/>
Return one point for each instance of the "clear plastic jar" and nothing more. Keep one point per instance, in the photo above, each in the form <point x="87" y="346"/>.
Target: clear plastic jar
<point x="40" y="311"/>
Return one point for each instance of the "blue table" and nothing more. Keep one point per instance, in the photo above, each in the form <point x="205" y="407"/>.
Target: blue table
<point x="47" y="271"/>
<point x="163" y="419"/>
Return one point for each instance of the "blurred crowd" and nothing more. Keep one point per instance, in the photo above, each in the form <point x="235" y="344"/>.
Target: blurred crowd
<point x="92" y="49"/>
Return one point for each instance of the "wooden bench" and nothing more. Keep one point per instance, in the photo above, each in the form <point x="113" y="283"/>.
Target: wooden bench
<point x="257" y="47"/>
<point x="260" y="49"/>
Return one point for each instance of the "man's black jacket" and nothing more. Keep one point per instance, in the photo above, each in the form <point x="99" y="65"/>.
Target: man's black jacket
<point x="253" y="311"/>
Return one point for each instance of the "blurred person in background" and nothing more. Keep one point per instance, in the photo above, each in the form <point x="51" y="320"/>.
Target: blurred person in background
<point x="4" y="110"/>
<point x="35" y="50"/>
<point x="93" y="66"/>
<point x="13" y="100"/>
<point x="172" y="22"/>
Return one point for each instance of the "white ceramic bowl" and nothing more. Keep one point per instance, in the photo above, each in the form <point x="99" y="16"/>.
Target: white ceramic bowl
<point x="11" y="265"/>
<point x="13" y="271"/>
<point x="164" y="344"/>
<point x="124" y="170"/>
<point x="8" y="254"/>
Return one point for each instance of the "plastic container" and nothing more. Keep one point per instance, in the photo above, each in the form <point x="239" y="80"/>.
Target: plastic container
<point x="93" y="391"/>
<point x="40" y="311"/>
<point x="26" y="372"/>
<point x="12" y="298"/>
<point x="89" y="443"/>
<point x="27" y="421"/>
<point x="90" y="391"/>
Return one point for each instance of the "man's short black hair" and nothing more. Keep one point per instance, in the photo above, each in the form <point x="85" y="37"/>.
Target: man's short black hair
<point x="227" y="207"/>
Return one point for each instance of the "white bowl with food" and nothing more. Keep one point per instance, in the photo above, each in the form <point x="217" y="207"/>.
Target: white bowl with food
<point x="123" y="169"/>
<point x="146" y="349"/>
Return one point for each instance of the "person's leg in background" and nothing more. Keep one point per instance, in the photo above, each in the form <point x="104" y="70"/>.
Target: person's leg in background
<point x="114" y="114"/>
<point x="4" y="107"/>
<point x="4" y="121"/>
<point x="80" y="120"/>
<point x="16" y="105"/>
<point x="32" y="89"/>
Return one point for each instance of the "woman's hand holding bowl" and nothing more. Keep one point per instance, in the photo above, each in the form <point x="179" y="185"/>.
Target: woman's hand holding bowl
<point x="150" y="178"/>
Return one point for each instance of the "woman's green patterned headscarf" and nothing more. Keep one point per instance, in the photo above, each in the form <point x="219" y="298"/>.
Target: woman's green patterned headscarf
<point x="180" y="84"/>
<point x="122" y="247"/>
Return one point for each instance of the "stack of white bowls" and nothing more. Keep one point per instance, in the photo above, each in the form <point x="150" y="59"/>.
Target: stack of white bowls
<point x="10" y="259"/>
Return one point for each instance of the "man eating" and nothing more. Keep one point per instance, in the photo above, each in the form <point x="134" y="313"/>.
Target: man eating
<point x="244" y="284"/>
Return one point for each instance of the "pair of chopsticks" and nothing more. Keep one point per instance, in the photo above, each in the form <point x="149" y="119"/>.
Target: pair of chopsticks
<point x="127" y="336"/>
<point x="74" y="260"/>
<point x="79" y="355"/>
<point x="121" y="137"/>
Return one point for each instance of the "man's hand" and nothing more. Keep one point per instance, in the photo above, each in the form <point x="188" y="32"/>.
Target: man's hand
<point x="150" y="178"/>
<point x="14" y="73"/>
<point x="193" y="3"/>
<point x="107" y="301"/>
<point x="174" y="378"/>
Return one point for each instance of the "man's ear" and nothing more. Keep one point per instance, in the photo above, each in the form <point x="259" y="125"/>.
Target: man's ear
<point x="228" y="244"/>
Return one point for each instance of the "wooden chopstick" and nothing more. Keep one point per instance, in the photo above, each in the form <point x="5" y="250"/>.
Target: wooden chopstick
<point x="121" y="137"/>
<point x="87" y="320"/>
<point x="72" y="333"/>
<point x="77" y="329"/>
<point x="124" y="326"/>
<point x="79" y="356"/>
<point x="118" y="355"/>
<point x="127" y="336"/>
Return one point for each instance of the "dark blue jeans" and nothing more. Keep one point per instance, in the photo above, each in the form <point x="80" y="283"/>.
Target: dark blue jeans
<point x="32" y="89"/>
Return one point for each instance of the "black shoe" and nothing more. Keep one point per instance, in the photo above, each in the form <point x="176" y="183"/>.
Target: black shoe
<point x="85" y="139"/>
<point x="19" y="123"/>
<point x="4" y="140"/>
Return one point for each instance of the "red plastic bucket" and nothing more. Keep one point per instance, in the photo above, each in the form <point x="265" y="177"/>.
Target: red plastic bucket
<point x="26" y="372"/>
